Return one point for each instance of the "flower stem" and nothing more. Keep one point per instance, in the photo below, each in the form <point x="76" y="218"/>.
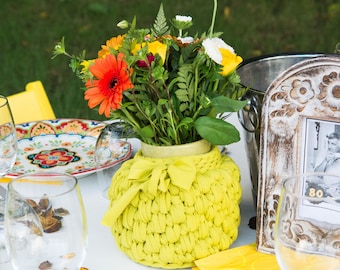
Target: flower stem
<point x="213" y="19"/>
<point x="176" y="138"/>
<point x="130" y="118"/>
<point x="196" y="76"/>
<point x="198" y="111"/>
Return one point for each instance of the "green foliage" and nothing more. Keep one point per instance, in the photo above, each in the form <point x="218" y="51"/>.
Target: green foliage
<point x="179" y="88"/>
<point x="216" y="131"/>
<point x="223" y="104"/>
<point x="160" y="26"/>
<point x="29" y="34"/>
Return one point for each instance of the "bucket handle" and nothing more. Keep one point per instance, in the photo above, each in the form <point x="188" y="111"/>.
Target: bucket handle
<point x="251" y="114"/>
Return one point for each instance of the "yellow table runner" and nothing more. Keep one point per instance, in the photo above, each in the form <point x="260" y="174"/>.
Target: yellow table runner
<point x="244" y="257"/>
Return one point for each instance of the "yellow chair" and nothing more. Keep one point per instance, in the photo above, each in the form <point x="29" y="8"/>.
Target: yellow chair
<point x="31" y="105"/>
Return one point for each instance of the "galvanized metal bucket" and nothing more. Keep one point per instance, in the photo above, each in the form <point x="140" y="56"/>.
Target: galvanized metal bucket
<point x="257" y="74"/>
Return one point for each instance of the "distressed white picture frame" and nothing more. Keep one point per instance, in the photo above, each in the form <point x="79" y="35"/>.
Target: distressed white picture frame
<point x="305" y="93"/>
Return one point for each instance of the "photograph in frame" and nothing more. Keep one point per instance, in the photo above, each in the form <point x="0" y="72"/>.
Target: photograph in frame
<point x="321" y="155"/>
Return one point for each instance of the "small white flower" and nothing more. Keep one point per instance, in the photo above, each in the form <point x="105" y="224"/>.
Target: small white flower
<point x="212" y="47"/>
<point x="181" y="23"/>
<point x="181" y="18"/>
<point x="186" y="40"/>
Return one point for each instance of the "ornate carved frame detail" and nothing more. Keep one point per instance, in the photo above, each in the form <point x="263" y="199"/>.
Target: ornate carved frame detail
<point x="307" y="90"/>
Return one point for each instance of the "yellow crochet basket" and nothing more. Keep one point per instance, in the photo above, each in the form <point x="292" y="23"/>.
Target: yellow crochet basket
<point x="169" y="212"/>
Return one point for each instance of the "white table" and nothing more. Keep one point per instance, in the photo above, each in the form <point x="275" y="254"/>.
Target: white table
<point x="102" y="252"/>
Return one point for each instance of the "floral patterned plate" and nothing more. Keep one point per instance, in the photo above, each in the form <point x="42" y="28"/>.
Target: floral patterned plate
<point x="61" y="145"/>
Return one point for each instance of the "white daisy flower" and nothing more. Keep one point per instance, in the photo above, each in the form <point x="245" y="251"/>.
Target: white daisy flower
<point x="212" y="47"/>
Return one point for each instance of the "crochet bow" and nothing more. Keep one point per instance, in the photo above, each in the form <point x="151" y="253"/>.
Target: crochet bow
<point x="151" y="176"/>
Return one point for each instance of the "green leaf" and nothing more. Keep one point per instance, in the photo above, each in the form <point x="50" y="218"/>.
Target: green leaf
<point x="171" y="133"/>
<point x="165" y="141"/>
<point x="186" y="122"/>
<point x="216" y="131"/>
<point x="159" y="73"/>
<point x="162" y="101"/>
<point x="182" y="85"/>
<point x="182" y="95"/>
<point x="224" y="104"/>
<point x="147" y="132"/>
<point x="183" y="107"/>
<point x="160" y="27"/>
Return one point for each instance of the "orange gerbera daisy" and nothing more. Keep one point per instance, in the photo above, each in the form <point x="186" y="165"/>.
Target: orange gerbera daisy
<point x="111" y="78"/>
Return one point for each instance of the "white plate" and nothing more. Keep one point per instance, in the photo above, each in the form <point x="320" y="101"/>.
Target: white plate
<point x="61" y="145"/>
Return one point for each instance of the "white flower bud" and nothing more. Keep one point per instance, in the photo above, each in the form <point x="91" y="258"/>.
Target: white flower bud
<point x="181" y="18"/>
<point x="123" y="24"/>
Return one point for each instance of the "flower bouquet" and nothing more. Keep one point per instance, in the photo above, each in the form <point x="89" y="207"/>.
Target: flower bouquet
<point x="171" y="90"/>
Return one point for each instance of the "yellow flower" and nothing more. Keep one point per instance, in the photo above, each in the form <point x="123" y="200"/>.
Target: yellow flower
<point x="154" y="47"/>
<point x="85" y="65"/>
<point x="113" y="43"/>
<point x="230" y="61"/>
<point x="223" y="54"/>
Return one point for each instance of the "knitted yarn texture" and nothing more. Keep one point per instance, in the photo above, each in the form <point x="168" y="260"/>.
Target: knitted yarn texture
<point x="169" y="212"/>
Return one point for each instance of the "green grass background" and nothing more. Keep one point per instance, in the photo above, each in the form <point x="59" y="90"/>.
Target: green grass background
<point x="29" y="30"/>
